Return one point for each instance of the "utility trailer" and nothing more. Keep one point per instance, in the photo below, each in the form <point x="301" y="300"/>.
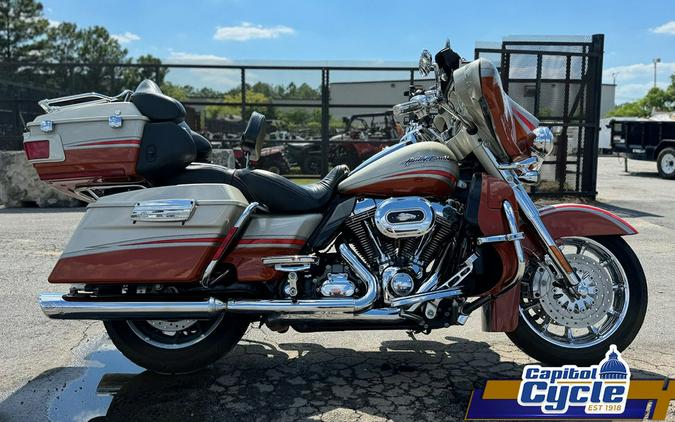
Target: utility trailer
<point x="646" y="139"/>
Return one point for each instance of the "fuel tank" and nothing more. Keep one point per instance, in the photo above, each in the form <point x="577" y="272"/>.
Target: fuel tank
<point x="422" y="169"/>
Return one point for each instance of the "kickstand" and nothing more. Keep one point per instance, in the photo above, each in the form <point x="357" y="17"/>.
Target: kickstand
<point x="411" y="334"/>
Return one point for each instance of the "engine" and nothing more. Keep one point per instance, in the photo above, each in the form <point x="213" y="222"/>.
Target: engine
<point x="400" y="237"/>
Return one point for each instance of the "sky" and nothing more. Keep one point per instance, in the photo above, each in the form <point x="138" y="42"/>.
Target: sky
<point x="373" y="31"/>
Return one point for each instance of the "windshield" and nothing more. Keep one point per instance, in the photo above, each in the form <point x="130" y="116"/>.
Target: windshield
<point x="496" y="115"/>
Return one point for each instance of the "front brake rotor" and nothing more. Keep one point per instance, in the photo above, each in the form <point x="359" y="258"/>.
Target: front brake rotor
<point x="595" y="294"/>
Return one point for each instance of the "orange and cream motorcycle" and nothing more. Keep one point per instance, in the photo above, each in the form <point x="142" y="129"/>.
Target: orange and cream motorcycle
<point x="178" y="256"/>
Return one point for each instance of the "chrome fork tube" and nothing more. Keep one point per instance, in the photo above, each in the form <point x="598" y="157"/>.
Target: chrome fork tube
<point x="532" y="214"/>
<point x="529" y="211"/>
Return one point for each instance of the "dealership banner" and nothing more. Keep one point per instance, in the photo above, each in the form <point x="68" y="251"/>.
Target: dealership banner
<point x="603" y="391"/>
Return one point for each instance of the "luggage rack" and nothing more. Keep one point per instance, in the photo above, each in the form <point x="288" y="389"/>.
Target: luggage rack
<point x="88" y="194"/>
<point x="48" y="103"/>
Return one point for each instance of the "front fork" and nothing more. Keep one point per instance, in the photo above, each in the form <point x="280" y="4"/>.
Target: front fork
<point x="531" y="213"/>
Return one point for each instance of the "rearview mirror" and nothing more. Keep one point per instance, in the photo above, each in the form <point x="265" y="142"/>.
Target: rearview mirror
<point x="426" y="63"/>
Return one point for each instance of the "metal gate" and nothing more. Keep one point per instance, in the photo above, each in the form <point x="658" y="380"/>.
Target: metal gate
<point x="559" y="80"/>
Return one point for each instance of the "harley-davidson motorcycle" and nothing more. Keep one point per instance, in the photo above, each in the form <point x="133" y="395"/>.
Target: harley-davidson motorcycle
<point x="178" y="256"/>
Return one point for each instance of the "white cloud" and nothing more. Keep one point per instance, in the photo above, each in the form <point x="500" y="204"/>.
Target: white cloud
<point x="53" y="23"/>
<point x="666" y="28"/>
<point x="221" y="79"/>
<point x="640" y="71"/>
<point x="247" y="31"/>
<point x="126" y="38"/>
<point x="634" y="80"/>
<point x="192" y="58"/>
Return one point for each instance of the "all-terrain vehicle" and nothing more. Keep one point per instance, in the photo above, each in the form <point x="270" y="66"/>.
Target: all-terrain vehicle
<point x="359" y="141"/>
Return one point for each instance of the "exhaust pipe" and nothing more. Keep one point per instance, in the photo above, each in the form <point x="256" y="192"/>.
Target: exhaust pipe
<point x="345" y="305"/>
<point x="56" y="307"/>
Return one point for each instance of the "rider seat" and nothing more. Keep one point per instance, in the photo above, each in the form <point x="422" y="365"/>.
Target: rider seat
<point x="277" y="193"/>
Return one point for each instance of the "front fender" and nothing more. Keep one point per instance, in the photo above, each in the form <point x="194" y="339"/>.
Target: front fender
<point x="561" y="220"/>
<point x="564" y="220"/>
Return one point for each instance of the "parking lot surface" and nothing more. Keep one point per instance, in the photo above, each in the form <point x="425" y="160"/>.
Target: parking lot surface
<point x="62" y="370"/>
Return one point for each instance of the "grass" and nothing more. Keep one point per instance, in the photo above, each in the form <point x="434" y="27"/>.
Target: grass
<point x="304" y="181"/>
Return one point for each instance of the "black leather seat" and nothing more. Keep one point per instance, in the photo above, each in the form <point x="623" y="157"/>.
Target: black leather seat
<point x="156" y="106"/>
<point x="279" y="194"/>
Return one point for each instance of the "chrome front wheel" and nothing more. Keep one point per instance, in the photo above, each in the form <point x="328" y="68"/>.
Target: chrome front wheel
<point x="558" y="325"/>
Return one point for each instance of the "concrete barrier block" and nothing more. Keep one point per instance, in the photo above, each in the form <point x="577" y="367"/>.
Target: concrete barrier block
<point x="20" y="185"/>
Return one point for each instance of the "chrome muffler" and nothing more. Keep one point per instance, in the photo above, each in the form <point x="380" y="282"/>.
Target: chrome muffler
<point x="55" y="306"/>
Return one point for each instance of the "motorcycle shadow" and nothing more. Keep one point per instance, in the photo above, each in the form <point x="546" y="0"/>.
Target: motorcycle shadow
<point x="260" y="381"/>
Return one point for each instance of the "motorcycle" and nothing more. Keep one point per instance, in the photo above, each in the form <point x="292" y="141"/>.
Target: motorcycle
<point x="178" y="258"/>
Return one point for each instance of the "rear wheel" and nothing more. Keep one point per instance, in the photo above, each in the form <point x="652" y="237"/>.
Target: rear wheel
<point x="176" y="346"/>
<point x="556" y="327"/>
<point x="665" y="163"/>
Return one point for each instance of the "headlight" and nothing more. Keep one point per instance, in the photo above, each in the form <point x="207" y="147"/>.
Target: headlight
<point x="543" y="141"/>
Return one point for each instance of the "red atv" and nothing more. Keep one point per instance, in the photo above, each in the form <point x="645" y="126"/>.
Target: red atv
<point x="359" y="141"/>
<point x="271" y="159"/>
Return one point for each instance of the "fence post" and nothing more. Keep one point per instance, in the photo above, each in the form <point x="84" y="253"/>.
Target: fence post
<point x="592" y="128"/>
<point x="325" y="120"/>
<point x="243" y="95"/>
<point x="18" y="122"/>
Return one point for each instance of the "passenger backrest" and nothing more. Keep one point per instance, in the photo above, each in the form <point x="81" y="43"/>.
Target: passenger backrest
<point x="156" y="106"/>
<point x="254" y="135"/>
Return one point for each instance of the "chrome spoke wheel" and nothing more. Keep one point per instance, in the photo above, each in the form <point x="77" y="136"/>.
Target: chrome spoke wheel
<point x="174" y="334"/>
<point x="588" y="315"/>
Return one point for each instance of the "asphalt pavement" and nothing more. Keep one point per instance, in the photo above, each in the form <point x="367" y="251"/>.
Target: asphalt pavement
<point x="68" y="370"/>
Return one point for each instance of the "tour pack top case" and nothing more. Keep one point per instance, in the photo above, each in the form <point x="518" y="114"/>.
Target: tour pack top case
<point x="86" y="145"/>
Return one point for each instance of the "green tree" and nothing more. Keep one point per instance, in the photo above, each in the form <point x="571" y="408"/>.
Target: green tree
<point x="263" y="88"/>
<point x="22" y="30"/>
<point x="179" y="92"/>
<point x="63" y="47"/>
<point x="306" y="92"/>
<point x="151" y="69"/>
<point x="252" y="98"/>
<point x="98" y="49"/>
<point x="656" y="99"/>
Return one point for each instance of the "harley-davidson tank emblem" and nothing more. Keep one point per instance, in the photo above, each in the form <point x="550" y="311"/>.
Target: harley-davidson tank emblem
<point x="405" y="216"/>
<point x="397" y="217"/>
<point x="424" y="159"/>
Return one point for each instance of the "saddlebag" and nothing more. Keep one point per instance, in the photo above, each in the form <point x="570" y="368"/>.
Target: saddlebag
<point x="158" y="235"/>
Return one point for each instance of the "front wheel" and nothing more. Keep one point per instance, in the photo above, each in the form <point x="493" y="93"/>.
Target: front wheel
<point x="558" y="328"/>
<point x="176" y="346"/>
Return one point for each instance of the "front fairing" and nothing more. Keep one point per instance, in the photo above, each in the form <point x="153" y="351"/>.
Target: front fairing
<point x="502" y="123"/>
